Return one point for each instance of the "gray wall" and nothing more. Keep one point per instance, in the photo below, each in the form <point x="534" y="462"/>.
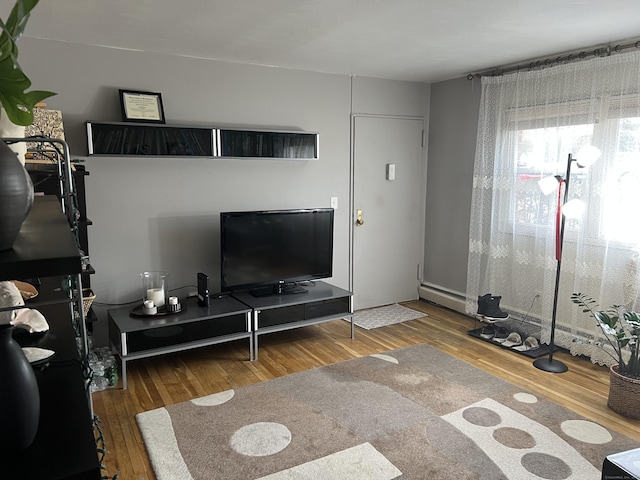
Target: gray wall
<point x="162" y="213"/>
<point x="376" y="96"/>
<point x="452" y="143"/>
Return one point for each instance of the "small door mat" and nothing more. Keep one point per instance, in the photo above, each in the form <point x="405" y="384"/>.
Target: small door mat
<point x="386" y="315"/>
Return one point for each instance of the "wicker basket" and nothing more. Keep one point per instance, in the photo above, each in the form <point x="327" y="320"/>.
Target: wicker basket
<point x="624" y="394"/>
<point x="87" y="299"/>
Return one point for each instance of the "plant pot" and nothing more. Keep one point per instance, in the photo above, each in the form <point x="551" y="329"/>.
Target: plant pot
<point x="624" y="394"/>
<point x="20" y="398"/>
<point x="16" y="196"/>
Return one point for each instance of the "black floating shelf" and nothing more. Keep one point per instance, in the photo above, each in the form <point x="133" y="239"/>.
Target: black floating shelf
<point x="541" y="351"/>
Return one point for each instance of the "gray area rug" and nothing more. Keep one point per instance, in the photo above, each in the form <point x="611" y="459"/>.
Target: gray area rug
<point x="411" y="413"/>
<point x="386" y="315"/>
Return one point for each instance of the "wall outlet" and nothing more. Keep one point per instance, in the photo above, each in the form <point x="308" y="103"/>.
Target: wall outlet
<point x="334" y="203"/>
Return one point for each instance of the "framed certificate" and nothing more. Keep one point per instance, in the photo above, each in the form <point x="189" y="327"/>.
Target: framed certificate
<point x="141" y="106"/>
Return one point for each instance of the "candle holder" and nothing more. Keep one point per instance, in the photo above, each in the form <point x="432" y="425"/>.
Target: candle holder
<point x="173" y="306"/>
<point x="155" y="288"/>
<point x="148" y="308"/>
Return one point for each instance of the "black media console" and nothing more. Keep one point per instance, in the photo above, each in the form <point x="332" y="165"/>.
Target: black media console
<point x="240" y="316"/>
<point x="322" y="302"/>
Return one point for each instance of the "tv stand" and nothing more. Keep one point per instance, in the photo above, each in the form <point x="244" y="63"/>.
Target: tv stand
<point x="278" y="289"/>
<point x="224" y="320"/>
<point x="323" y="302"/>
<point x="228" y="318"/>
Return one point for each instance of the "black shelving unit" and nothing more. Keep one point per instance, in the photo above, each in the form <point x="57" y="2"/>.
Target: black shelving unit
<point x="64" y="447"/>
<point x="45" y="179"/>
<point x="52" y="173"/>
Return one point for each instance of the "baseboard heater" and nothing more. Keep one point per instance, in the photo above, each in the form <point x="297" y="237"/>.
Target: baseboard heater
<point x="444" y="297"/>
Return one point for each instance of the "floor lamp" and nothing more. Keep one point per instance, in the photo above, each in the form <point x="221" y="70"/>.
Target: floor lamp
<point x="586" y="156"/>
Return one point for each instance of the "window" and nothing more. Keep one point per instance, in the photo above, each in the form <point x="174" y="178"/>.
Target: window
<point x="529" y="123"/>
<point x="542" y="152"/>
<point x="613" y="200"/>
<point x="622" y="184"/>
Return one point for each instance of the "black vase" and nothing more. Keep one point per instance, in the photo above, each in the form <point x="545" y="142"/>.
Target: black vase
<point x="20" y="397"/>
<point x="16" y="196"/>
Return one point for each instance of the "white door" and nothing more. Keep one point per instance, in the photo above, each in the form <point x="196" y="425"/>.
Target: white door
<point x="388" y="244"/>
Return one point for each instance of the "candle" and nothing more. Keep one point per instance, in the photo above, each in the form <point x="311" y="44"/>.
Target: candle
<point x="173" y="300"/>
<point x="149" y="308"/>
<point x="156" y="295"/>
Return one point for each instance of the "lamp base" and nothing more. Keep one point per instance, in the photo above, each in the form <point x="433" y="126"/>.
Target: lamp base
<point x="549" y="365"/>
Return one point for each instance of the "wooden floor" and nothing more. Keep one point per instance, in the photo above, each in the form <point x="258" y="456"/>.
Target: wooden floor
<point x="174" y="378"/>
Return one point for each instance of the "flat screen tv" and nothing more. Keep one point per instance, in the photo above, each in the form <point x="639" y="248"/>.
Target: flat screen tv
<point x="270" y="252"/>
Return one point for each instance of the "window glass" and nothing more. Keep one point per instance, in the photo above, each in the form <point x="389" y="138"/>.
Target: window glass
<point x="543" y="152"/>
<point x="622" y="186"/>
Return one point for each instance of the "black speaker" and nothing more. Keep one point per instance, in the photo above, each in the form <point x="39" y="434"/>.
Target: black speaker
<point x="203" y="290"/>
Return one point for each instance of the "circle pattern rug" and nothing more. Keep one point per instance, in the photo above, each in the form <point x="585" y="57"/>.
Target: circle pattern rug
<point x="411" y="413"/>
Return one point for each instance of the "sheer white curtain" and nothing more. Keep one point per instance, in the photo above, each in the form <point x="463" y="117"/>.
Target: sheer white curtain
<point x="529" y="123"/>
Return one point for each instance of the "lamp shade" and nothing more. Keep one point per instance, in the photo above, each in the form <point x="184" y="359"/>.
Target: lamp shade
<point x="587" y="155"/>
<point x="548" y="184"/>
<point x="574" y="209"/>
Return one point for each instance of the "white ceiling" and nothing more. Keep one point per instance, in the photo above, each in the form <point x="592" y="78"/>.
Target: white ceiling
<point x="417" y="40"/>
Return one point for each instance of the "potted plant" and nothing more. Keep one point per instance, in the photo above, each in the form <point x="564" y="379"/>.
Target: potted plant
<point x="16" y="189"/>
<point x="17" y="103"/>
<point x="621" y="329"/>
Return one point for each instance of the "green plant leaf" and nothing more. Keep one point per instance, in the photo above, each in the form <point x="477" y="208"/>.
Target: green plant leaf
<point x="14" y="98"/>
<point x="613" y="327"/>
<point x="604" y="318"/>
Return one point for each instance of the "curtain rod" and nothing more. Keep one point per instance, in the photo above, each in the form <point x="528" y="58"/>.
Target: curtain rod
<point x="603" y="50"/>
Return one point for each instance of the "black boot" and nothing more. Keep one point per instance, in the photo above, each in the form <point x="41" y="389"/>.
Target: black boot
<point x="493" y="312"/>
<point x="482" y="305"/>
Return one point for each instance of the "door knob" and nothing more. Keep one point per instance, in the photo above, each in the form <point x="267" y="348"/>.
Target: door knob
<point x="359" y="219"/>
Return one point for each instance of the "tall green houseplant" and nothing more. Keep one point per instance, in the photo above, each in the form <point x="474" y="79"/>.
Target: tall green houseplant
<point x="621" y="329"/>
<point x="17" y="103"/>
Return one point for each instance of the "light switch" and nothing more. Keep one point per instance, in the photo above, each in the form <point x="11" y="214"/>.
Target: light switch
<point x="391" y="171"/>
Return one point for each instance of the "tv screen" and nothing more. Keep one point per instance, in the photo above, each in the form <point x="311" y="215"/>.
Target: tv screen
<point x="268" y="252"/>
